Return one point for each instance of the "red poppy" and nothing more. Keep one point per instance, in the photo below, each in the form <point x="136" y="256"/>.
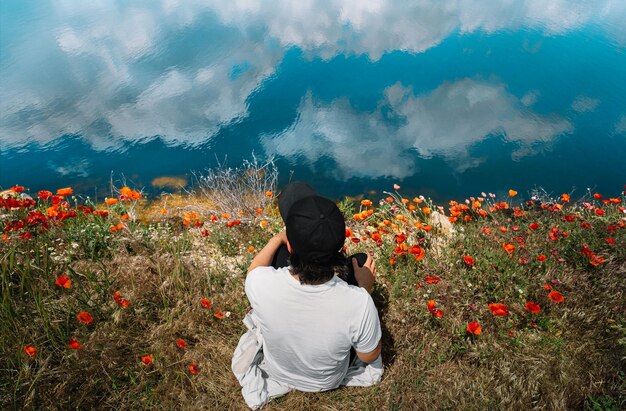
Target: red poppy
<point x="469" y="261"/>
<point x="541" y="257"/>
<point x="597" y="196"/>
<point x="63" y="281"/>
<point x="498" y="310"/>
<point x="30" y="350"/>
<point x="534" y="226"/>
<point x="180" y="343"/>
<point x="431" y="280"/>
<point x="474" y="328"/>
<point x="44" y="194"/>
<point x="431" y="307"/>
<point x="355" y="240"/>
<point x="205" y="303"/>
<point x="508" y="247"/>
<point x="547" y="286"/>
<point x="193" y="368"/>
<point x="349" y="232"/>
<point x="556" y="296"/>
<point x="599" y="211"/>
<point x="523" y="260"/>
<point x="532" y="307"/>
<point x="17" y="189"/>
<point x="610" y="241"/>
<point x="74" y="344"/>
<point x="147" y="359"/>
<point x="84" y="317"/>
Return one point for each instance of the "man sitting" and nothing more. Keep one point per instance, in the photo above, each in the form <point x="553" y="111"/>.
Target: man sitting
<point x="305" y="320"/>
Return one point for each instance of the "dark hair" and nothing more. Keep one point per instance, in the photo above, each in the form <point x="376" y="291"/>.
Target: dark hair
<point x="313" y="273"/>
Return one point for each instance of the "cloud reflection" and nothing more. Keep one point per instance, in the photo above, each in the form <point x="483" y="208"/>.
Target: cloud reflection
<point x="447" y="122"/>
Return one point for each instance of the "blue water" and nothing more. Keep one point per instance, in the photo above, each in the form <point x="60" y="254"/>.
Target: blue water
<point x="444" y="98"/>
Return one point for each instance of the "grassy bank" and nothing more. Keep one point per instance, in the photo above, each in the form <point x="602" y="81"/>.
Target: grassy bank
<point x="136" y="305"/>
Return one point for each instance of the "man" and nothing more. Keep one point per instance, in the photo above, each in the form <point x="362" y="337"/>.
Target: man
<point x="305" y="320"/>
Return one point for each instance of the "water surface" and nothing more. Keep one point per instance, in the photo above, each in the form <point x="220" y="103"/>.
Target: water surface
<point x="445" y="98"/>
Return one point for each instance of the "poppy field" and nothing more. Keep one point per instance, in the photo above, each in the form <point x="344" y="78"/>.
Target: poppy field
<point x="485" y="303"/>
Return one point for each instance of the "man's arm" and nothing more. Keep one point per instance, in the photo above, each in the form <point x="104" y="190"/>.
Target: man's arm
<point x="369" y="357"/>
<point x="265" y="256"/>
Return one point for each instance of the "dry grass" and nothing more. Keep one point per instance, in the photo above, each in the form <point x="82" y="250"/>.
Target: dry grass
<point x="571" y="358"/>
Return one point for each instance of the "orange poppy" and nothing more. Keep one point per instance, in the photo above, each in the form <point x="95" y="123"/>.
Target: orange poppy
<point x="565" y="198"/>
<point x="499" y="310"/>
<point x="110" y="201"/>
<point x="180" y="343"/>
<point x="147" y="359"/>
<point x="599" y="212"/>
<point x="205" y="303"/>
<point x="596" y="260"/>
<point x="427" y="228"/>
<point x="225" y="216"/>
<point x="474" y="328"/>
<point x="597" y="196"/>
<point x="376" y="237"/>
<point x="366" y="203"/>
<point x="349" y="232"/>
<point x="84" y="317"/>
<point x="30" y="350"/>
<point x="219" y="314"/>
<point x="556" y="296"/>
<point x="417" y="251"/>
<point x="193" y="368"/>
<point x="400" y="238"/>
<point x="65" y="191"/>
<point x="547" y="286"/>
<point x="532" y="307"/>
<point x="251" y="249"/>
<point x="74" y="344"/>
<point x="426" y="210"/>
<point x="469" y="261"/>
<point x="263" y="223"/>
<point x="503" y="229"/>
<point x="63" y="281"/>
<point x="512" y="193"/>
<point x="508" y="247"/>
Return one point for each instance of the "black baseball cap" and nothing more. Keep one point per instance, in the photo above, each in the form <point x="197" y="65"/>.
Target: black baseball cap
<point x="292" y="193"/>
<point x="316" y="229"/>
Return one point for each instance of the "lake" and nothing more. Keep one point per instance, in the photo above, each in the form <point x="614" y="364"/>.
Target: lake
<point x="445" y="98"/>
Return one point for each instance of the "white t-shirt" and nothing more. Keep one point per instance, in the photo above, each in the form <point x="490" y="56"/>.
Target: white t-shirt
<point x="308" y="330"/>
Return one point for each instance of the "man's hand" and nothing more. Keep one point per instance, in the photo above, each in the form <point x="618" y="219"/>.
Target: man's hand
<point x="366" y="275"/>
<point x="264" y="257"/>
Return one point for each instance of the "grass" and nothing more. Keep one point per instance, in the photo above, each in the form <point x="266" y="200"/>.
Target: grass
<point x="173" y="252"/>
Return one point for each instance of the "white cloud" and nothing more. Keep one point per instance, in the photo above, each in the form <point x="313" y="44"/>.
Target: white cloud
<point x="583" y="104"/>
<point x="620" y="127"/>
<point x="447" y="122"/>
